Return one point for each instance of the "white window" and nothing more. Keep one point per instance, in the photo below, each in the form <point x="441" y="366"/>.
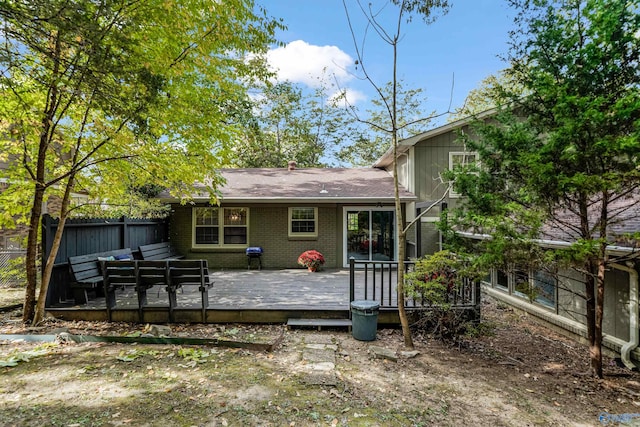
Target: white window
<point x="459" y="159"/>
<point x="215" y="227"/>
<point x="303" y="222"/>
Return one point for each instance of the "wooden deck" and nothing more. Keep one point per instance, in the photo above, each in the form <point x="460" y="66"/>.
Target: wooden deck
<point x="250" y="296"/>
<point x="270" y="296"/>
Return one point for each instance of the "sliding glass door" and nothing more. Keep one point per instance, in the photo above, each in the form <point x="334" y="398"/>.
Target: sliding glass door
<point x="370" y="234"/>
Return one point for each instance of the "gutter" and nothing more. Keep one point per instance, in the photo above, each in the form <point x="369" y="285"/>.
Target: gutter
<point x="634" y="335"/>
<point x="611" y="249"/>
<point x="279" y="200"/>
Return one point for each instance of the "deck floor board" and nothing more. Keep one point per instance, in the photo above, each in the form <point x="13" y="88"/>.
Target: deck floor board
<point x="291" y="289"/>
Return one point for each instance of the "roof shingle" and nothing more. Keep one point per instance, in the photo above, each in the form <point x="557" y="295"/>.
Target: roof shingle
<point x="321" y="184"/>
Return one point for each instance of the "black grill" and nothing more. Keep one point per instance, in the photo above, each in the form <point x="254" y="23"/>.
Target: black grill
<point x="254" y="252"/>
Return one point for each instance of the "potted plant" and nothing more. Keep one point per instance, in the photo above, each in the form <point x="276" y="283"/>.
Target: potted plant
<point x="311" y="259"/>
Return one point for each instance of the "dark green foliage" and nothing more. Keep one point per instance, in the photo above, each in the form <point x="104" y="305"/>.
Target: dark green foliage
<point x="564" y="158"/>
<point x="434" y="282"/>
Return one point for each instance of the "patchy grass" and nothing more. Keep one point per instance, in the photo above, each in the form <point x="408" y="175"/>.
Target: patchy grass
<point x="509" y="372"/>
<point x="93" y="385"/>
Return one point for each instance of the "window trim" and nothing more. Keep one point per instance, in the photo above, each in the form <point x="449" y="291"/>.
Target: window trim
<point x="452" y="193"/>
<point x="290" y="221"/>
<point x="221" y="226"/>
<point x="510" y="289"/>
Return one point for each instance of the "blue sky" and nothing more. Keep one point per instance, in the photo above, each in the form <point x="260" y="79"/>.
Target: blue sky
<point x="465" y="43"/>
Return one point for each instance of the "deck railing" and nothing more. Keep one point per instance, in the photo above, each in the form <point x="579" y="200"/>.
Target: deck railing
<point x="377" y="281"/>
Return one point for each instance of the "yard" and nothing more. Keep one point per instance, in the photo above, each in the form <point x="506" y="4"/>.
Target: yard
<point x="516" y="374"/>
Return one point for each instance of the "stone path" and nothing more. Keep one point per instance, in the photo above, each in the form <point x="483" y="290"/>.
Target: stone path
<point x="319" y="360"/>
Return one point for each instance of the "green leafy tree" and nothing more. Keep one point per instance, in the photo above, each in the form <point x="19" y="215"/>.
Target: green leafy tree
<point x="99" y="96"/>
<point x="370" y="144"/>
<point x="406" y="9"/>
<point x="490" y="94"/>
<point x="565" y="162"/>
<point x="284" y="123"/>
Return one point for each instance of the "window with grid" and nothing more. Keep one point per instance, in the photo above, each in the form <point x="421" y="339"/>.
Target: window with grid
<point x="461" y="159"/>
<point x="303" y="222"/>
<point x="220" y="226"/>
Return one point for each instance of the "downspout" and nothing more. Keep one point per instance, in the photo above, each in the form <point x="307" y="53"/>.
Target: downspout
<point x="634" y="336"/>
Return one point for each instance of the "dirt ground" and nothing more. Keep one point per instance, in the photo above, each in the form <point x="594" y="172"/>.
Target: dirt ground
<point x="516" y="374"/>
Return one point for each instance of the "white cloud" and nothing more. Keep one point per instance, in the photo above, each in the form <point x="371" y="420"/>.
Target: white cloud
<point x="352" y="97"/>
<point x="301" y="62"/>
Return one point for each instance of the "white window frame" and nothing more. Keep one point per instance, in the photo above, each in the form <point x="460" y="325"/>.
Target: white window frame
<point x="291" y="220"/>
<point x="463" y="154"/>
<point x="221" y="226"/>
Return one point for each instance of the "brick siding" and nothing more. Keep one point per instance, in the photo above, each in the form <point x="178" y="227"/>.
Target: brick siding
<point x="268" y="227"/>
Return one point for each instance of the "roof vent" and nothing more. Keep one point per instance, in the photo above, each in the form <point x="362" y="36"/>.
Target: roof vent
<point x="292" y="165"/>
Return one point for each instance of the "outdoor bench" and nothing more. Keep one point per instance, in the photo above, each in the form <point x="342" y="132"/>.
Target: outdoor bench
<point x="86" y="274"/>
<point x="159" y="251"/>
<point x="143" y="275"/>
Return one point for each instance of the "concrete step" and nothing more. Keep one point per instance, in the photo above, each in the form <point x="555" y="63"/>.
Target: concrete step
<point x="320" y="323"/>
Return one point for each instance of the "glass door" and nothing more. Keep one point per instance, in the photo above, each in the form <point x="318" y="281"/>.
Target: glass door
<point x="370" y="234"/>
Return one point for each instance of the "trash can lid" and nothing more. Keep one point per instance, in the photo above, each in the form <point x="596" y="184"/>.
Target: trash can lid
<point x="365" y="305"/>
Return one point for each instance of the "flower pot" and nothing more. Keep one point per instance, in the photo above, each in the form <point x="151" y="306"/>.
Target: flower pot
<point x="312" y="269"/>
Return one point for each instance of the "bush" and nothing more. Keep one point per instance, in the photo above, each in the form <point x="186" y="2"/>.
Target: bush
<point x="434" y="283"/>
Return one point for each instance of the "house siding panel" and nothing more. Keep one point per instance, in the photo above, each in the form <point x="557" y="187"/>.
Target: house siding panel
<point x="616" y="304"/>
<point x="268" y="228"/>
<point x="429" y="238"/>
<point x="570" y="304"/>
<point x="432" y="158"/>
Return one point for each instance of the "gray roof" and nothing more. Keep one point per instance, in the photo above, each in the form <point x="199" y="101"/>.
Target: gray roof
<point x="624" y="221"/>
<point x="563" y="229"/>
<point x="322" y="185"/>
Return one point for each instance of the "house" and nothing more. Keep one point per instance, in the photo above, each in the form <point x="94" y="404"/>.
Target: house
<point x="341" y="212"/>
<point x="555" y="299"/>
<point x="421" y="161"/>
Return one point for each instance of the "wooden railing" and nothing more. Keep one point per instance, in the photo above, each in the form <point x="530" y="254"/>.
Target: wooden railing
<point x="377" y="281"/>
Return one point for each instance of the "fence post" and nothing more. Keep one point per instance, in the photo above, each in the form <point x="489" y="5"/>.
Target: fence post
<point x="125" y="232"/>
<point x="352" y="282"/>
<point x="47" y="237"/>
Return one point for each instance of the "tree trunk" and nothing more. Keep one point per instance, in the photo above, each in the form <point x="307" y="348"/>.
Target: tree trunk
<point x="47" y="269"/>
<point x="596" y="350"/>
<point x="594" y="287"/>
<point x="31" y="260"/>
<point x="33" y="241"/>
<point x="402" y="313"/>
<point x="402" y="239"/>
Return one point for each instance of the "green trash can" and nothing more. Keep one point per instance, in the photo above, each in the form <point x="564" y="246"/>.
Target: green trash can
<point x="364" y="319"/>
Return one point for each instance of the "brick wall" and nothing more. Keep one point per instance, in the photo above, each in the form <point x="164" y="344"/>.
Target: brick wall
<point x="268" y="227"/>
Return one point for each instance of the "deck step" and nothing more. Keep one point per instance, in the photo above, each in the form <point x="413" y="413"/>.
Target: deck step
<point x="319" y="323"/>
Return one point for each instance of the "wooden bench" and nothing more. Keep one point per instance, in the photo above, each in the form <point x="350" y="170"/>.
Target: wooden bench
<point x="144" y="274"/>
<point x="86" y="274"/>
<point x="159" y="251"/>
<point x="189" y="273"/>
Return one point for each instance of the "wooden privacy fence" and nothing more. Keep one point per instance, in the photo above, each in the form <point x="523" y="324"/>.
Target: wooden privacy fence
<point x="84" y="236"/>
<point x="377" y="281"/>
